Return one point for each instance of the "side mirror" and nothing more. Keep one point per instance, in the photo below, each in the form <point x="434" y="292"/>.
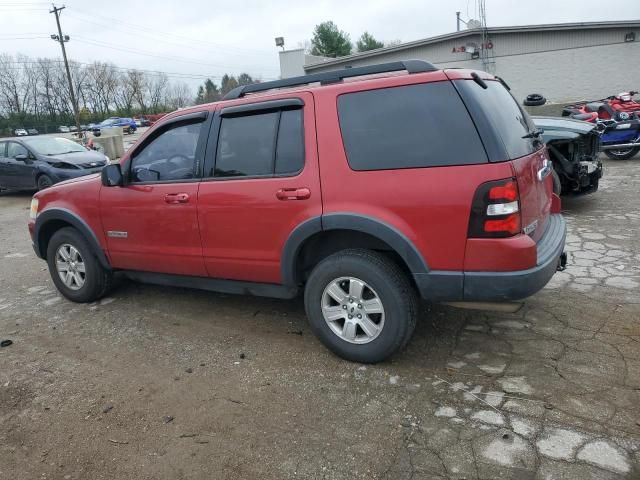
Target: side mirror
<point x="22" y="157"/>
<point x="534" y="100"/>
<point x="112" y="175"/>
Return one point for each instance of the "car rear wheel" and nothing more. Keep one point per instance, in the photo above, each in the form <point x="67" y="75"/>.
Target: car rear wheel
<point x="74" y="269"/>
<point x="361" y="305"/>
<point x="44" y="181"/>
<point x="624" y="154"/>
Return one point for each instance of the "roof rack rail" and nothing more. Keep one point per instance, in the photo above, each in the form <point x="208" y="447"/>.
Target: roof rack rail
<point x="334" y="76"/>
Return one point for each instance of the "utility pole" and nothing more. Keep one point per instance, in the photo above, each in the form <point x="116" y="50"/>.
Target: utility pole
<point x="62" y="39"/>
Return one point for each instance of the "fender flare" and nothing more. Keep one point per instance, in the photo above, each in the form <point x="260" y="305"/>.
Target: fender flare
<point x="349" y="221"/>
<point x="75" y="221"/>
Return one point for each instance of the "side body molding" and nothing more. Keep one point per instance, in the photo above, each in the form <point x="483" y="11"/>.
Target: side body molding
<point x="62" y="214"/>
<point x="349" y="221"/>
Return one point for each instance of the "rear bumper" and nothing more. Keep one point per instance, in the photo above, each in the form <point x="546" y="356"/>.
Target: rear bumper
<point x="499" y="286"/>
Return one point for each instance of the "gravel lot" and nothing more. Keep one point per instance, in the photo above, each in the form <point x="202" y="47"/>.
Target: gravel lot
<point x="158" y="383"/>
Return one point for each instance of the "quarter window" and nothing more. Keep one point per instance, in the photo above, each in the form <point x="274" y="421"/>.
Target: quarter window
<point x="424" y="125"/>
<point x="170" y="156"/>
<point x="264" y="144"/>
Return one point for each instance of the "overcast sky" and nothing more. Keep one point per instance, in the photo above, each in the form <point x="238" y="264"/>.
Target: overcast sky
<point x="194" y="38"/>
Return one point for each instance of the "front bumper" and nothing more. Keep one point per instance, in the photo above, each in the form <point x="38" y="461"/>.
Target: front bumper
<point x="499" y="286"/>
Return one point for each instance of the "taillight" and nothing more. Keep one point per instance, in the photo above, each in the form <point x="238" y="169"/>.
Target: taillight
<point x="495" y="211"/>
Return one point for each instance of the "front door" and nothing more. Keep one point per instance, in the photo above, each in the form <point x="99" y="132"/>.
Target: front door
<point x="261" y="181"/>
<point x="151" y="222"/>
<point x="17" y="173"/>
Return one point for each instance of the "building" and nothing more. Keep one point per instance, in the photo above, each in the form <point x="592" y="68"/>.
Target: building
<point x="564" y="62"/>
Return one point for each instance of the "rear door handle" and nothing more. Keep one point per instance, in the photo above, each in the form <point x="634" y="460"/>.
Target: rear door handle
<point x="293" y="193"/>
<point x="176" y="198"/>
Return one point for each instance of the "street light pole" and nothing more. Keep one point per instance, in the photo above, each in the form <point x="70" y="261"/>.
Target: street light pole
<point x="62" y="39"/>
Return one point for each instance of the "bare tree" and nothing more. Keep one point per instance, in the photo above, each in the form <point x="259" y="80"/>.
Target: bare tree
<point x="179" y="95"/>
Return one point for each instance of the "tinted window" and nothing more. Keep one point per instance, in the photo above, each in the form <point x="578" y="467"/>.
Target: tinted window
<point x="169" y="156"/>
<point x="423" y="125"/>
<point x="16" y="149"/>
<point x="246" y="145"/>
<point x="495" y="107"/>
<point x="3" y="146"/>
<point x="290" y="149"/>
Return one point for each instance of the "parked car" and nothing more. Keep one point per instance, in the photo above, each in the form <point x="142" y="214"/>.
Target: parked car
<point x="32" y="131"/>
<point x="83" y="128"/>
<point x="152" y="118"/>
<point x="63" y="129"/>
<point x="127" y="124"/>
<point x="20" y="132"/>
<point x="573" y="148"/>
<point x="37" y="163"/>
<point x="73" y="128"/>
<point x="359" y="193"/>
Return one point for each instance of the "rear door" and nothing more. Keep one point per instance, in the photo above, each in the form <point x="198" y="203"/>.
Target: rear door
<point x="508" y="134"/>
<point x="261" y="181"/>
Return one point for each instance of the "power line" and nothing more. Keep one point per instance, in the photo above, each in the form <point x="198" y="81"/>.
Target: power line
<point x="188" y="76"/>
<point x="97" y="43"/>
<point x="157" y="38"/>
<point x="164" y="34"/>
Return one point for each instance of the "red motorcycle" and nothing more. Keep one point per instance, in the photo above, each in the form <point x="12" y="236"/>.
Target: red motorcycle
<point x="618" y="117"/>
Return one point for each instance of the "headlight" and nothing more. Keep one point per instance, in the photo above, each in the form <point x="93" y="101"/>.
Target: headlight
<point x="63" y="166"/>
<point x="33" y="211"/>
<point x="623" y="116"/>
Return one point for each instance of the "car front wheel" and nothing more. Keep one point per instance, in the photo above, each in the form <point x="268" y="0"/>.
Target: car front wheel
<point x="361" y="305"/>
<point x="74" y="269"/>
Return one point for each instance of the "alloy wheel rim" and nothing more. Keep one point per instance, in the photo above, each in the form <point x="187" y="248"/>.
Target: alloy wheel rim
<point x="353" y="310"/>
<point x="70" y="266"/>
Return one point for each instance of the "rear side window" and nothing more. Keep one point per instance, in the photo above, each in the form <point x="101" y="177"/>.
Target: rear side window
<point x="413" y="126"/>
<point x="495" y="108"/>
<point x="263" y="144"/>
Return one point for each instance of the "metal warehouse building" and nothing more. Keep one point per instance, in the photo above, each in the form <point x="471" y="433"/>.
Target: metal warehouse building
<point x="564" y="62"/>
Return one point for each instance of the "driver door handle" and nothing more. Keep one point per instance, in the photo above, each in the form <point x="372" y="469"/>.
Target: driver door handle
<point x="174" y="198"/>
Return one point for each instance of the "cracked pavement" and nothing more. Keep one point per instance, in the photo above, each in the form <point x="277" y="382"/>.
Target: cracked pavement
<point x="549" y="392"/>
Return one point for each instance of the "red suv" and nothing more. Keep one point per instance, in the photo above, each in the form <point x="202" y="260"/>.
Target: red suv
<point x="367" y="188"/>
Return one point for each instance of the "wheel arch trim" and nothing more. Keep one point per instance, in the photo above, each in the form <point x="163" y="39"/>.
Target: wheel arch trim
<point x="348" y="221"/>
<point x="67" y="216"/>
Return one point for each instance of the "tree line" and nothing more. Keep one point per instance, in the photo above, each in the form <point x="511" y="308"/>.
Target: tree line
<point x="35" y="92"/>
<point x="329" y="41"/>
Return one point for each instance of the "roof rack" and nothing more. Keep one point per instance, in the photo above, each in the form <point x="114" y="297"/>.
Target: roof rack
<point x="334" y="76"/>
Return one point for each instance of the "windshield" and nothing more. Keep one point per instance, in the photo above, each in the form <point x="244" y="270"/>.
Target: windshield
<point x="53" y="145"/>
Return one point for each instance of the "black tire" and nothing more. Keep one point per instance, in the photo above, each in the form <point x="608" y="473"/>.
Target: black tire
<point x="557" y="184"/>
<point x="391" y="285"/>
<point x="625" y="154"/>
<point x="97" y="280"/>
<point x="534" y="100"/>
<point x="44" y="181"/>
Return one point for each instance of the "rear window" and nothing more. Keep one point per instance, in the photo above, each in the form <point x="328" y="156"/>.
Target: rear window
<point x="413" y="126"/>
<point x="496" y="107"/>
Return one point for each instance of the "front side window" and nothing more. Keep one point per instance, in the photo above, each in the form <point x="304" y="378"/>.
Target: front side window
<point x="16" y="149"/>
<point x="3" y="146"/>
<point x="413" y="126"/>
<point x="264" y="144"/>
<point x="169" y="156"/>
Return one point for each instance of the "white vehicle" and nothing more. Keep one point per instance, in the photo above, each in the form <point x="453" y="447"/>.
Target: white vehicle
<point x="63" y="129"/>
<point x="20" y="132"/>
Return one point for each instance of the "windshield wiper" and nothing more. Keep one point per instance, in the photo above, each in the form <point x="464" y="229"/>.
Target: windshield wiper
<point x="533" y="134"/>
